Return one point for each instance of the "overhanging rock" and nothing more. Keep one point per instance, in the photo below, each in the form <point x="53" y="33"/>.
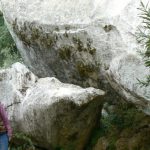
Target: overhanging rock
<point x="81" y="42"/>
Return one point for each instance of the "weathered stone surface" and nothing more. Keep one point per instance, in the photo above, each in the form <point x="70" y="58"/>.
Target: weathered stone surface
<point x="51" y="112"/>
<point x="123" y="75"/>
<point x="13" y="85"/>
<point x="81" y="42"/>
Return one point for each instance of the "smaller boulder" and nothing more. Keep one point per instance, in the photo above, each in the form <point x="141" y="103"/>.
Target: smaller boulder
<point x="58" y="114"/>
<point x="52" y="113"/>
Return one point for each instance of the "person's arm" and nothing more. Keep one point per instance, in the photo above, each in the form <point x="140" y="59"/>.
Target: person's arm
<point x="5" y="120"/>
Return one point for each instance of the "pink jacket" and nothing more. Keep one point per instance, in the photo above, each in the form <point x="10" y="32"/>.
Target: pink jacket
<point x="4" y="117"/>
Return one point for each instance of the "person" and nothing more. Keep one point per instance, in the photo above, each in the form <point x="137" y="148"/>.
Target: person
<point x="5" y="129"/>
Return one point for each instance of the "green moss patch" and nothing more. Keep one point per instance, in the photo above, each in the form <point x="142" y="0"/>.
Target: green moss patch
<point x="8" y="51"/>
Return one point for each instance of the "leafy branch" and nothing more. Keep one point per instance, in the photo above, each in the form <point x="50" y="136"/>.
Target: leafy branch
<point x="143" y="37"/>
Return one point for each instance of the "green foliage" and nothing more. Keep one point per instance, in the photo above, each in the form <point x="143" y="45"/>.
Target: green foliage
<point x="96" y="134"/>
<point x="65" y="52"/>
<point x="21" y="141"/>
<point x="8" y="51"/>
<point x="111" y="146"/>
<point x="58" y="148"/>
<point x="123" y="118"/>
<point x="143" y="37"/>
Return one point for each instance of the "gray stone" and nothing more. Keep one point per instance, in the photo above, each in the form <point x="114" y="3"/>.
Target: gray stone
<point x="82" y="42"/>
<point x="14" y="82"/>
<point x="52" y="113"/>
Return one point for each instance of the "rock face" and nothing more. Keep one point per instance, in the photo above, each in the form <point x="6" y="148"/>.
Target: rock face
<point x="81" y="42"/>
<point x="13" y="85"/>
<point x="51" y="112"/>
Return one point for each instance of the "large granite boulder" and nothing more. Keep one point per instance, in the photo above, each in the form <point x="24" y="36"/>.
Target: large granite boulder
<point x="81" y="42"/>
<point x="52" y="113"/>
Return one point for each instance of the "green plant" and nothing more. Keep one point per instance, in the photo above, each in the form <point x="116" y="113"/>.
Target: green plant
<point x="21" y="141"/>
<point x="8" y="51"/>
<point x="65" y="52"/>
<point x="125" y="121"/>
<point x="143" y="37"/>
